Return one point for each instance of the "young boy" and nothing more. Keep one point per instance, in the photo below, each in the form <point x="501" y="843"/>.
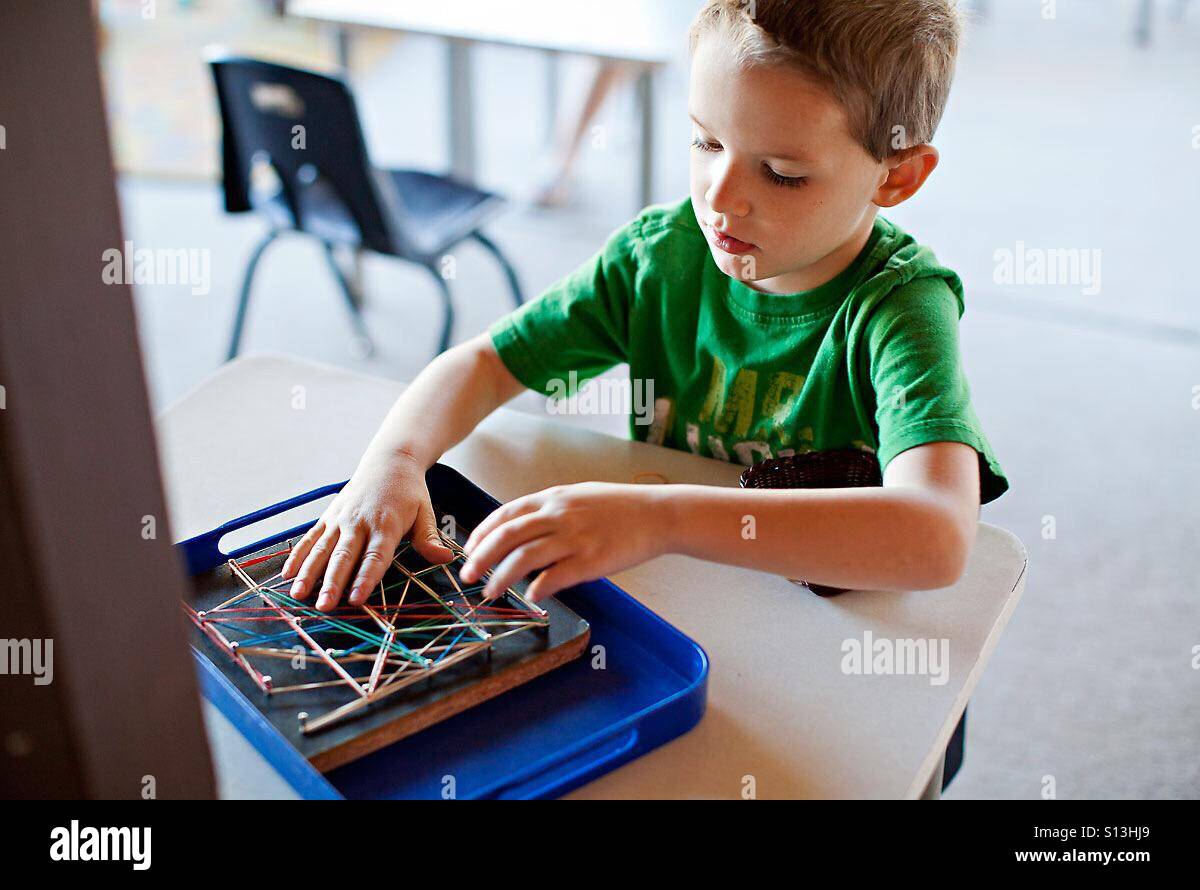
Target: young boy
<point x="774" y="313"/>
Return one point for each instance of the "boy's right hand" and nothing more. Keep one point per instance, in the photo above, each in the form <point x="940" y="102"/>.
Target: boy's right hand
<point x="384" y="502"/>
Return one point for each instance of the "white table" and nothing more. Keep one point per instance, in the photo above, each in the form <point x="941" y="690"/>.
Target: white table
<point x="780" y="708"/>
<point x="648" y="34"/>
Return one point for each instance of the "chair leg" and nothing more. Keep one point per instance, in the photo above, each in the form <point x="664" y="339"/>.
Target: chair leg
<point x="239" y="321"/>
<point x="354" y="300"/>
<point x="514" y="285"/>
<point x="447" y="308"/>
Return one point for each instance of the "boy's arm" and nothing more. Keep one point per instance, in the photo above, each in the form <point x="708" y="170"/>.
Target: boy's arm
<point x="449" y="398"/>
<point x="386" y="498"/>
<point x="579" y="324"/>
<point x="914" y="533"/>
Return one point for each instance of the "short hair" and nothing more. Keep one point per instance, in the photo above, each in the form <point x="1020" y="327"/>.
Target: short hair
<point x="889" y="63"/>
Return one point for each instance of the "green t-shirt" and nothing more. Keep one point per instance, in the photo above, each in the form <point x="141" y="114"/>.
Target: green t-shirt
<point x="869" y="360"/>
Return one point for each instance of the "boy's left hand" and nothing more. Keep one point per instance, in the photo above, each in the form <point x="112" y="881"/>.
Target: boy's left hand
<point x="575" y="533"/>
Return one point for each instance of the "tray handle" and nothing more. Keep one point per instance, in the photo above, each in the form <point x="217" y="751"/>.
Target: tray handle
<point x="203" y="552"/>
<point x="568" y="768"/>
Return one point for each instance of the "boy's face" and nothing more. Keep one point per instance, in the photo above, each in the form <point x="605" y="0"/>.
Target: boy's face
<point x="780" y="188"/>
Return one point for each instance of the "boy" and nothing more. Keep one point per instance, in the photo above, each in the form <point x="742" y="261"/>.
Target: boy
<point x="774" y="313"/>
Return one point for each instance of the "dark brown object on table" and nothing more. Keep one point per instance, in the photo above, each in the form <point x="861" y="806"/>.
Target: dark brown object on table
<point x="840" y="468"/>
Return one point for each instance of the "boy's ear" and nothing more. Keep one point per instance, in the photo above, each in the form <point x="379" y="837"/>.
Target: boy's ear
<point x="907" y="172"/>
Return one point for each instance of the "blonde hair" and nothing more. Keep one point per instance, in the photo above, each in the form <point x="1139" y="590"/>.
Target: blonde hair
<point x="888" y="62"/>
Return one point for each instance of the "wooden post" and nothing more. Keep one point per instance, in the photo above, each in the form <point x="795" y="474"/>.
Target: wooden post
<point x="86" y="555"/>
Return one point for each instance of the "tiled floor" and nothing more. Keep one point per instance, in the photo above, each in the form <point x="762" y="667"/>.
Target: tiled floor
<point x="1060" y="135"/>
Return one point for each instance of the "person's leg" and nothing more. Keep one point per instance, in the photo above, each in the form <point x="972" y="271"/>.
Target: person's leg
<point x="556" y="187"/>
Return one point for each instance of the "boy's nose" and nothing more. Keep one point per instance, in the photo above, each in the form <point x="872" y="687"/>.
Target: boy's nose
<point x="725" y="196"/>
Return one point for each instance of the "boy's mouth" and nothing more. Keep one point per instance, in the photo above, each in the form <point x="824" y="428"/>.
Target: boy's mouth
<point x="731" y="245"/>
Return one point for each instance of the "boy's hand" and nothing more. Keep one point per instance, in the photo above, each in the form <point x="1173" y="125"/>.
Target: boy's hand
<point x="581" y="532"/>
<point x="383" y="502"/>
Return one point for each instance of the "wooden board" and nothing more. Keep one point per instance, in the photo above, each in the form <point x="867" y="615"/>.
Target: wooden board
<point x="473" y="671"/>
<point x="87" y="570"/>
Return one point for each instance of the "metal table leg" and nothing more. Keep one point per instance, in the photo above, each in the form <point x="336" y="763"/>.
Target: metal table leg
<point x="460" y="109"/>
<point x="645" y="96"/>
<point x="552" y="94"/>
<point x="342" y="43"/>
<point x="1143" y="22"/>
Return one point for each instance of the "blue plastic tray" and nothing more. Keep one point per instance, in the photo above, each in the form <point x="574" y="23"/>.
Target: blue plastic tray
<point x="539" y="740"/>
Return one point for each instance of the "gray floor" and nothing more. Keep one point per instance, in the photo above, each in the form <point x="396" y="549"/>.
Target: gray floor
<point x="1060" y="134"/>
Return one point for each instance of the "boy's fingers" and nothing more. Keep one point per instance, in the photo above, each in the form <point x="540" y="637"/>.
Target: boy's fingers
<point x="314" y="564"/>
<point x="535" y="555"/>
<point x="499" y="516"/>
<point x="558" y="577"/>
<point x="425" y="538"/>
<point x="341" y="564"/>
<point x="372" y="567"/>
<point x="497" y="545"/>
<point x="300" y="549"/>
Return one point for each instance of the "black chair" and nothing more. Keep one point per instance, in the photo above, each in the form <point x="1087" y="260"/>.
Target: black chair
<point x="304" y="127"/>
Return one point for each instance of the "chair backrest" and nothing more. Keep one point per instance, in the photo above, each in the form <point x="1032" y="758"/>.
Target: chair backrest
<point x="306" y="126"/>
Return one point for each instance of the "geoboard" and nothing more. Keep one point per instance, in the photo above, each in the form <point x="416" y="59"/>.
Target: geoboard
<point x="342" y="684"/>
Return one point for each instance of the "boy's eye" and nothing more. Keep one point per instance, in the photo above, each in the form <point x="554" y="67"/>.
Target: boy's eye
<point x="699" y="143"/>
<point x="784" y="181"/>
